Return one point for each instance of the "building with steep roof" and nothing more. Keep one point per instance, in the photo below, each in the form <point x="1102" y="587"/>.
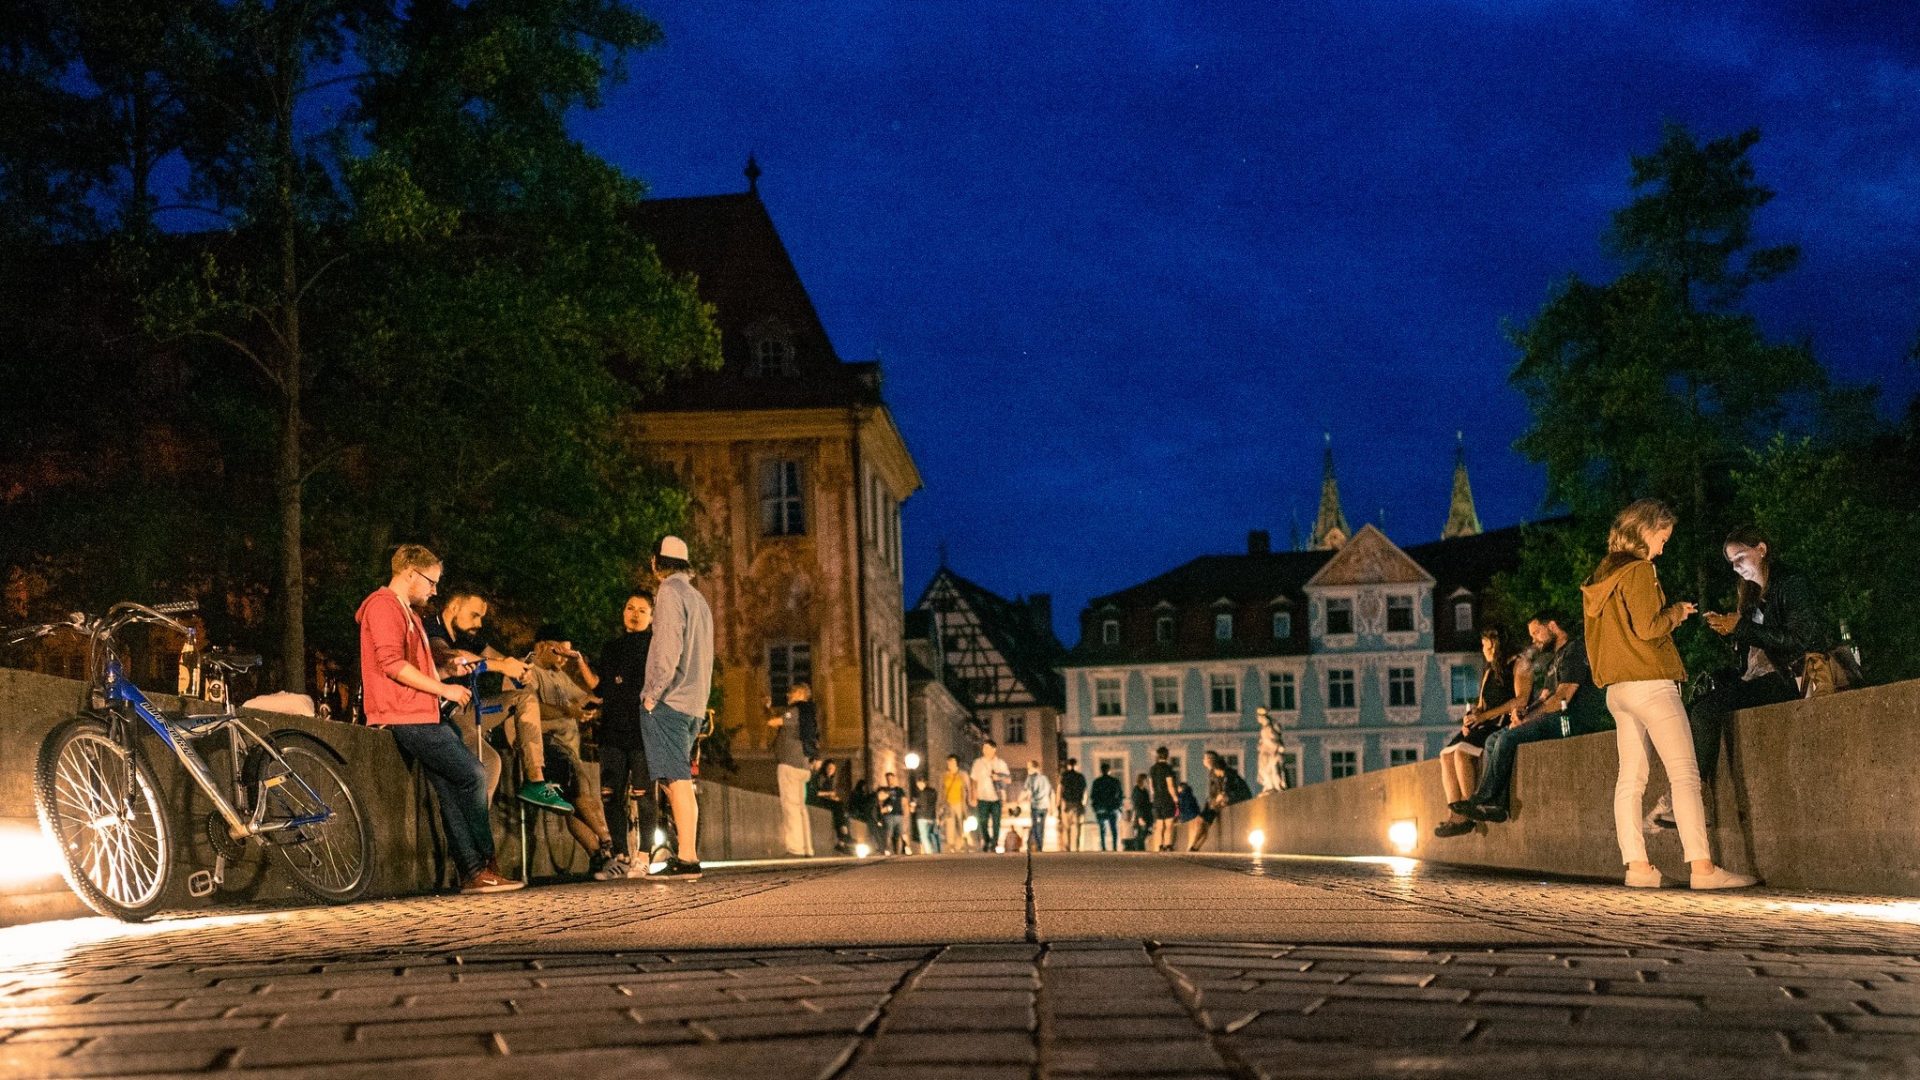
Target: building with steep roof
<point x="797" y="472"/>
<point x="1003" y="655"/>
<point x="1366" y="653"/>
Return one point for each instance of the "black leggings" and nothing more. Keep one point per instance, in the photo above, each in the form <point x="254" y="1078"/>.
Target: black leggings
<point x="1708" y="717"/>
<point x="623" y="767"/>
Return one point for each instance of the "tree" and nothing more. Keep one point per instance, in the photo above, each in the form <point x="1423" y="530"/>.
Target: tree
<point x="1655" y="383"/>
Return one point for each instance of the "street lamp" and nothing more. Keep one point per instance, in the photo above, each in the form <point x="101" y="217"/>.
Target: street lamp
<point x="913" y="761"/>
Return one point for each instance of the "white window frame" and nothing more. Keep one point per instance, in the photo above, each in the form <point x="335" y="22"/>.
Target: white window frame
<point x="1346" y="751"/>
<point x="1282" y="625"/>
<point x="1413" y="759"/>
<point x="1231" y="685"/>
<point x="1411" y="681"/>
<point x="1408" y="604"/>
<point x="1347" y="605"/>
<point x="783" y="497"/>
<point x="1352" y="682"/>
<point x="1286" y="681"/>
<point x="1014" y="724"/>
<point x="1471" y="683"/>
<point x="1110" y="631"/>
<point x="1157" y="683"/>
<point x="1462" y="616"/>
<point x="1119" y="702"/>
<point x="1223" y="626"/>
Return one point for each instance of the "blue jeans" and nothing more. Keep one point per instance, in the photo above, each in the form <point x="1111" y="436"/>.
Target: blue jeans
<point x="1109" y="824"/>
<point x="460" y="785"/>
<point x="1037" y="836"/>
<point x="893" y="833"/>
<point x="987" y="813"/>
<point x="1496" y="765"/>
<point x="929" y="836"/>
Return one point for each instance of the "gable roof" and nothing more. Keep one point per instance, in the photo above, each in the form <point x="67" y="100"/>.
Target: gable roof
<point x="729" y="243"/>
<point x="1369" y="559"/>
<point x="1028" y="647"/>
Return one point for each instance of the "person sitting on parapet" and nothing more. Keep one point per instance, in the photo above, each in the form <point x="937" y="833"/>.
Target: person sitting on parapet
<point x="567" y="714"/>
<point x="1568" y="704"/>
<point x="1225" y="787"/>
<point x="457" y="637"/>
<point x="1506" y="682"/>
<point x="403" y="688"/>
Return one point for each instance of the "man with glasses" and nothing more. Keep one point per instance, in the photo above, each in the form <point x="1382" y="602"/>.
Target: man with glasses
<point x="402" y="689"/>
<point x="456" y="635"/>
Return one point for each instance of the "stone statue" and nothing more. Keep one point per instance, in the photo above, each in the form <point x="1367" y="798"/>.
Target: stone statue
<point x="1273" y="751"/>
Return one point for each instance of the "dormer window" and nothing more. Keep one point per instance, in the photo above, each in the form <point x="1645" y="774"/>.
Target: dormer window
<point x="1463" y="616"/>
<point x="772" y="355"/>
<point x="1282" y="625"/>
<point x="1223" y="626"/>
<point x="1110" y="632"/>
<point x="1163" y="629"/>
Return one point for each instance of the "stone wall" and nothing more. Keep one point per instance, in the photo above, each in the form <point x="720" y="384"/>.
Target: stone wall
<point x="409" y="852"/>
<point x="1812" y="795"/>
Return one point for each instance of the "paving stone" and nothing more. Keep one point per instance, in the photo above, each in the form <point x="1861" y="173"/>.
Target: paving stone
<point x="1164" y="1057"/>
<point x="985" y="1048"/>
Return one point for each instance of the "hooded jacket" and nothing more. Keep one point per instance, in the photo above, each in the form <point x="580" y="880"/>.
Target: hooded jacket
<point x="1629" y="623"/>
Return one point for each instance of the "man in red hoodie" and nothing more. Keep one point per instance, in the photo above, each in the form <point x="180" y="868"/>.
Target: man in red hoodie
<point x="402" y="691"/>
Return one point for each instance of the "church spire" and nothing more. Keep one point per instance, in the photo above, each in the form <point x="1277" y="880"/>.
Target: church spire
<point x="1462" y="519"/>
<point x="1330" y="529"/>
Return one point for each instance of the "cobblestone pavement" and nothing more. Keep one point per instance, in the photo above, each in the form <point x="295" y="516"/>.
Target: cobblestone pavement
<point x="989" y="967"/>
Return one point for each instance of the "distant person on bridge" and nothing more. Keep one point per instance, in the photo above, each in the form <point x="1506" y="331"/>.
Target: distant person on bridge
<point x="1073" y="802"/>
<point x="1505" y="685"/>
<point x="890" y="799"/>
<point x="1566" y="703"/>
<point x="991" y="778"/>
<point x="926" y="815"/>
<point x="956" y="804"/>
<point x="1225" y="787"/>
<point x="1039" y="792"/>
<point x="401" y="689"/>
<point x="1107" y="797"/>
<point x="1630" y="628"/>
<point x="1166" y="799"/>
<point x="623" y="761"/>
<point x="1142" y="813"/>
<point x="679" y="684"/>
<point x="796" y="747"/>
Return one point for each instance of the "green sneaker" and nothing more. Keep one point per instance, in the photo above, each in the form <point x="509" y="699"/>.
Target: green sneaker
<point x="546" y="796"/>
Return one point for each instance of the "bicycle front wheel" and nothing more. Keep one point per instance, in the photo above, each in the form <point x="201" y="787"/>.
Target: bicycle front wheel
<point x="330" y="860"/>
<point x="98" y="801"/>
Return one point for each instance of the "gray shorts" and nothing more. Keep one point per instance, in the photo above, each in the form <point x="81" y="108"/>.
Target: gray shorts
<point x="666" y="737"/>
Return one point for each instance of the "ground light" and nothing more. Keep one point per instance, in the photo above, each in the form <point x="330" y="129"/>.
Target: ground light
<point x="861" y="851"/>
<point x="26" y="855"/>
<point x="1256" y="840"/>
<point x="1404" y="835"/>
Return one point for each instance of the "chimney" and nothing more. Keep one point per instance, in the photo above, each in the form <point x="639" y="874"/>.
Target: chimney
<point x="1259" y="543"/>
<point x="1040" y="610"/>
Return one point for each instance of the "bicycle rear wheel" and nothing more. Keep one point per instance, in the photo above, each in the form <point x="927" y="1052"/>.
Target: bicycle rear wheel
<point x="99" y="802"/>
<point x="332" y="860"/>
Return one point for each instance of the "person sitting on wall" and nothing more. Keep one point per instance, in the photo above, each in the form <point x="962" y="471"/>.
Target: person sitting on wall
<point x="1505" y="685"/>
<point x="1225" y="786"/>
<point x="1775" y="622"/>
<point x="1569" y="704"/>
<point x="560" y="677"/>
<point x="456" y="635"/>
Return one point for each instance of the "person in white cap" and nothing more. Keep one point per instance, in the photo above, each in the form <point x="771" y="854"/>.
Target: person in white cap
<point x="674" y="696"/>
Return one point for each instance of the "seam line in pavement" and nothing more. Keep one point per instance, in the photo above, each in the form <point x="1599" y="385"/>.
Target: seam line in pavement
<point x="1033" y="917"/>
<point x="1236" y="1066"/>
<point x="863" y="1042"/>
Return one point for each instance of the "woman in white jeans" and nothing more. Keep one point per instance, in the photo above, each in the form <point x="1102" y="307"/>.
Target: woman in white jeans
<point x="1630" y="649"/>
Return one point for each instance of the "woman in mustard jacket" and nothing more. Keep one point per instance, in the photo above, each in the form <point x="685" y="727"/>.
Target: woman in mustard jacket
<point x="1630" y="649"/>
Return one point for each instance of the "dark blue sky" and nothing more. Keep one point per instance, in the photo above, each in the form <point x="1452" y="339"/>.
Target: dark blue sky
<point x="1125" y="262"/>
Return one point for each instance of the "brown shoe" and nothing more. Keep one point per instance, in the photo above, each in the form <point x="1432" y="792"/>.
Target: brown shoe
<point x="484" y="880"/>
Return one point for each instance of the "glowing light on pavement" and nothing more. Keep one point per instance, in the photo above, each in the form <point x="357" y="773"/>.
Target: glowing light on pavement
<point x="1404" y="835"/>
<point x="26" y="855"/>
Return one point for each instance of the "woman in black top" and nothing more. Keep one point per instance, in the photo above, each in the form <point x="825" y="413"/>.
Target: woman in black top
<point x="1507" y="681"/>
<point x="1142" y="812"/>
<point x="623" y="767"/>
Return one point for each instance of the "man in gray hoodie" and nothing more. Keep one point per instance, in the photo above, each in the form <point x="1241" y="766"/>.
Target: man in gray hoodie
<point x="674" y="697"/>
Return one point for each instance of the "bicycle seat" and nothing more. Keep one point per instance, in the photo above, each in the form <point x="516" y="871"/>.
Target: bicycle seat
<point x="230" y="661"/>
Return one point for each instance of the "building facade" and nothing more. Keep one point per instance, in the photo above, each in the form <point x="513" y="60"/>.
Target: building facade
<point x="1366" y="655"/>
<point x="797" y="473"/>
<point x="1003" y="655"/>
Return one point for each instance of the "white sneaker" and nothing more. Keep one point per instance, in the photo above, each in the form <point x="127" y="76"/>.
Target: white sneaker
<point x="1661" y="816"/>
<point x="1644" y="879"/>
<point x="615" y="870"/>
<point x="1722" y="878"/>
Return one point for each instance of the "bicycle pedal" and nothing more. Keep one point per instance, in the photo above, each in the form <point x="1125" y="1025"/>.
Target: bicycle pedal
<point x="200" y="884"/>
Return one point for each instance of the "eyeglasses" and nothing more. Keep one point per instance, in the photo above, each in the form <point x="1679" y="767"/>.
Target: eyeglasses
<point x="432" y="582"/>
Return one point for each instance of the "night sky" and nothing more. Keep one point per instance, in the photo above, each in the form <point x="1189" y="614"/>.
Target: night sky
<point x="1125" y="262"/>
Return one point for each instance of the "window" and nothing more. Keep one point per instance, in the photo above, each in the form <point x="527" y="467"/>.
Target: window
<point x="782" y="507"/>
<point x="1339" y="616"/>
<point x="1400" y="688"/>
<point x="1222" y="695"/>
<point x="1342" y="764"/>
<point x="1115" y="767"/>
<point x="1282" y="625"/>
<point x="1463" y="615"/>
<point x="1280" y="691"/>
<point x="1106" y="697"/>
<point x="1399" y="614"/>
<point x="1402" y="755"/>
<point x="772" y="355"/>
<point x="1223" y="627"/>
<point x="1016" y="728"/>
<point x="788" y="663"/>
<point x="1166" y="695"/>
<point x="1110" y="632"/>
<point x="1232" y="760"/>
<point x="1163" y="629"/>
<point x="1466" y="685"/>
<point x="1290" y="769"/>
<point x="1340" y="688"/>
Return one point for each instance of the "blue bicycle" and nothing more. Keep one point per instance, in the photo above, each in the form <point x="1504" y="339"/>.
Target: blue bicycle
<point x="100" y="804"/>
